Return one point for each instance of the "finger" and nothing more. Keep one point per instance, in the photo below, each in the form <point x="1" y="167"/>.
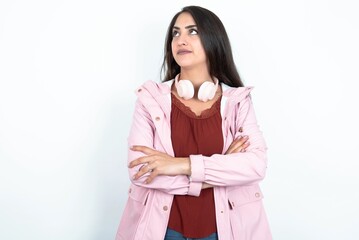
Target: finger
<point x="143" y="170"/>
<point x="151" y="177"/>
<point x="141" y="160"/>
<point x="143" y="149"/>
<point x="230" y="149"/>
<point x="146" y="168"/>
<point x="241" y="148"/>
<point x="149" y="168"/>
<point x="233" y="146"/>
<point x="236" y="144"/>
<point x="243" y="139"/>
<point x="244" y="146"/>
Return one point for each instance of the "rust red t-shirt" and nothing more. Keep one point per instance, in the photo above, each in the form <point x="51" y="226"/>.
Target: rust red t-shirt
<point x="192" y="216"/>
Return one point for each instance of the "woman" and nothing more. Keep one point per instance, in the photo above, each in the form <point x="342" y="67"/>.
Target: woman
<point x="194" y="172"/>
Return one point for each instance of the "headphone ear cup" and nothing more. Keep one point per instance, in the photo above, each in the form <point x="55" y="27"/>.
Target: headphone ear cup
<point x="185" y="89"/>
<point x="206" y="91"/>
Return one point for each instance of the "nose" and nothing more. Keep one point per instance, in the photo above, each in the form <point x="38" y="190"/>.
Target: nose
<point x="182" y="40"/>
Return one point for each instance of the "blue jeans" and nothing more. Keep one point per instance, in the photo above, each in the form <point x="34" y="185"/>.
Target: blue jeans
<point x="173" y="235"/>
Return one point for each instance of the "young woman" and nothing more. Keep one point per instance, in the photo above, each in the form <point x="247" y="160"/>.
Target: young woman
<point x="196" y="153"/>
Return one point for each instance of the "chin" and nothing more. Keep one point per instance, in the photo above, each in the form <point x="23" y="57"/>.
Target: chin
<point x="182" y="65"/>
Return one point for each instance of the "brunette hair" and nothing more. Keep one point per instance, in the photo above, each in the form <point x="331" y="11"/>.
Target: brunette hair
<point x="216" y="45"/>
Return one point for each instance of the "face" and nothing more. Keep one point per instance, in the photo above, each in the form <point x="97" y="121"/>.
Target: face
<point x="186" y="45"/>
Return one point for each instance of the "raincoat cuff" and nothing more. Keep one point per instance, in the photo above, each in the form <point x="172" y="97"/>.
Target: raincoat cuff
<point x="197" y="168"/>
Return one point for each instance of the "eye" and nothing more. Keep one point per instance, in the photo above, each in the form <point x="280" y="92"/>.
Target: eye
<point x="175" y="33"/>
<point x="193" y="31"/>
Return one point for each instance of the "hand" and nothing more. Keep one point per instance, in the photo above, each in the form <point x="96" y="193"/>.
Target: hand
<point x="158" y="163"/>
<point x="238" y="145"/>
<point x="206" y="185"/>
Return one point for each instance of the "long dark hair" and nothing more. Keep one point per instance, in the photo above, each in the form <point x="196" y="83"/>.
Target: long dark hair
<point x="216" y="45"/>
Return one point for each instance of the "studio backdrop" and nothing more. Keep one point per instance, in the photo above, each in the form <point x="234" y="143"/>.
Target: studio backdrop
<point x="68" y="72"/>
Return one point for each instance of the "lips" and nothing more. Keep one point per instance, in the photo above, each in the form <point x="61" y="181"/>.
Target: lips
<point x="183" y="51"/>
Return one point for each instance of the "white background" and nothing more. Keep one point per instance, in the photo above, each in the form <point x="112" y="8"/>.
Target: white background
<point x="68" y="71"/>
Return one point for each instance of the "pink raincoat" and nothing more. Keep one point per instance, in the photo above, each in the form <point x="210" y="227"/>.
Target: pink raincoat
<point x="238" y="199"/>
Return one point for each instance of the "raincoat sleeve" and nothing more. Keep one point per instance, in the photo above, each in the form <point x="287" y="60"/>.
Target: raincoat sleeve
<point x="247" y="168"/>
<point x="142" y="132"/>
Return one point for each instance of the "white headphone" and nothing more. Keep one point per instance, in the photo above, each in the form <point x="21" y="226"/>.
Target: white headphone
<point x="206" y="91"/>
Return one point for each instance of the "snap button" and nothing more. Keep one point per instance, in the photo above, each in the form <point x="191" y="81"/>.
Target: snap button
<point x="222" y="211"/>
<point x="157" y="118"/>
<point x="139" y="90"/>
<point x="165" y="208"/>
<point x="257" y="195"/>
<point x="240" y="129"/>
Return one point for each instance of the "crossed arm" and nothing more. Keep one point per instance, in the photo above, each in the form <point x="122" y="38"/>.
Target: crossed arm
<point x="159" y="163"/>
<point x="243" y="163"/>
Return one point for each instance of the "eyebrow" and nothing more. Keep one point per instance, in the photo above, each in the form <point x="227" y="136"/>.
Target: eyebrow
<point x="187" y="27"/>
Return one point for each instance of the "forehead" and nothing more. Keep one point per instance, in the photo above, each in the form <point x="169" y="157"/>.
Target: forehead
<point x="184" y="19"/>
